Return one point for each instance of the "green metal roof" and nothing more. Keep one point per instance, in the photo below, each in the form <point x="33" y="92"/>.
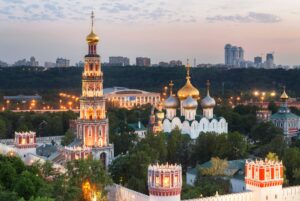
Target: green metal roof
<point x="135" y="126"/>
<point x="279" y="115"/>
<point x="235" y="168"/>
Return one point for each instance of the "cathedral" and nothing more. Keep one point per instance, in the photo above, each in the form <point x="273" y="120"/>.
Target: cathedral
<point x="181" y="112"/>
<point x="92" y="127"/>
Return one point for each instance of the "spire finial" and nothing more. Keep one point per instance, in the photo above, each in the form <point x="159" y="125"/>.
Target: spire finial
<point x="92" y="19"/>
<point x="188" y="66"/>
<point x="171" y="87"/>
<point x="207" y="87"/>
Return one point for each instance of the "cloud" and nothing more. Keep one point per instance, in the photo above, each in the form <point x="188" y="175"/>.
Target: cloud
<point x="251" y="17"/>
<point x="14" y="1"/>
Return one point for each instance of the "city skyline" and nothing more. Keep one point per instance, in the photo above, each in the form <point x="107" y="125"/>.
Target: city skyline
<point x="197" y="29"/>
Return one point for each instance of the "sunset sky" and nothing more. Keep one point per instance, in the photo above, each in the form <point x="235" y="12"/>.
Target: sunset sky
<point x="160" y="29"/>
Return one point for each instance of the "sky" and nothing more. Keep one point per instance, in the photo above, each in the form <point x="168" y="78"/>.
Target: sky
<point x="160" y="29"/>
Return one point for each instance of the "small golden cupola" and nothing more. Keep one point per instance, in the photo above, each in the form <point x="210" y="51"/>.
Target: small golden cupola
<point x="284" y="95"/>
<point x="92" y="37"/>
<point x="188" y="89"/>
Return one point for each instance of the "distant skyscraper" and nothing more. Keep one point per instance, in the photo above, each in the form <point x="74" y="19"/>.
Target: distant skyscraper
<point x="143" y="61"/>
<point x="63" y="63"/>
<point x="258" y="61"/>
<point x="3" y="64"/>
<point x="33" y="62"/>
<point x="270" y="60"/>
<point x="175" y="63"/>
<point x="49" y="64"/>
<point x="233" y="55"/>
<point x="119" y="61"/>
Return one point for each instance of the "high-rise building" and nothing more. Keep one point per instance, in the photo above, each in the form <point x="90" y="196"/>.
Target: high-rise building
<point x="49" y="64"/>
<point x="270" y="61"/>
<point x="143" y="61"/>
<point x="63" y="63"/>
<point x="233" y="55"/>
<point x="119" y="61"/>
<point x="92" y="126"/>
<point x="33" y="62"/>
<point x="258" y="61"/>
<point x="175" y="63"/>
<point x="3" y="64"/>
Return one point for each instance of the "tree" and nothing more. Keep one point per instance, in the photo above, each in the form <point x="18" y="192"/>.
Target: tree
<point x="291" y="160"/>
<point x="236" y="146"/>
<point x="204" y="148"/>
<point x="41" y="199"/>
<point x="272" y="156"/>
<point x="265" y="132"/>
<point x="25" y="187"/>
<point x="8" y="175"/>
<point x="218" y="167"/>
<point x="2" y="129"/>
<point x="68" y="138"/>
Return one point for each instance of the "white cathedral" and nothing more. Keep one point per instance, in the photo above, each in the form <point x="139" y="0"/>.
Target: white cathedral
<point x="186" y="119"/>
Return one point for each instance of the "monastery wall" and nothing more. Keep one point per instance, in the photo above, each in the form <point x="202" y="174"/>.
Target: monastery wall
<point x="246" y="196"/>
<point x="291" y="193"/>
<point x="120" y="193"/>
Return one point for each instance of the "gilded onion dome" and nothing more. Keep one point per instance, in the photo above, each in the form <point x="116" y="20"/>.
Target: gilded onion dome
<point x="189" y="103"/>
<point x="92" y="37"/>
<point x="171" y="101"/>
<point x="284" y="95"/>
<point x="188" y="89"/>
<point x="208" y="101"/>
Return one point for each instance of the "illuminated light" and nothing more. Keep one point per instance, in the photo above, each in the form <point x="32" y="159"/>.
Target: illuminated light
<point x="157" y="181"/>
<point x="238" y="98"/>
<point x="166" y="181"/>
<point x="256" y="93"/>
<point x="3" y="108"/>
<point x="273" y="93"/>
<point x="7" y="101"/>
<point x="263" y="93"/>
<point x="18" y="108"/>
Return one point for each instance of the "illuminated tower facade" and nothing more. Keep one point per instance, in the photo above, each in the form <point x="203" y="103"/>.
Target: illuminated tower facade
<point x="164" y="182"/>
<point x="264" y="179"/>
<point x="93" y="126"/>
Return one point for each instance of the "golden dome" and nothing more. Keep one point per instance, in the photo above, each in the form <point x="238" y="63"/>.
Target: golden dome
<point x="284" y="95"/>
<point x="188" y="89"/>
<point x="92" y="38"/>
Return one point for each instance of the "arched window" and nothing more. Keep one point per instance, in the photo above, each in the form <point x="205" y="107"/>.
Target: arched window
<point x="90" y="113"/>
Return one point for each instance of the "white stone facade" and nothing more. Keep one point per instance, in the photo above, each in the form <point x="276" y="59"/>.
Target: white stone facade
<point x="195" y="127"/>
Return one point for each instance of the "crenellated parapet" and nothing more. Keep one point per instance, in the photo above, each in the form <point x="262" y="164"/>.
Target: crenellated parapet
<point x="164" y="181"/>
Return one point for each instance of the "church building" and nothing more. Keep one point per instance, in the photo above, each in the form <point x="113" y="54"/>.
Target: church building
<point x="181" y="111"/>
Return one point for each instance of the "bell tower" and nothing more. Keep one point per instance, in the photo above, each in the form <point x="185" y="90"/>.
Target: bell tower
<point x="93" y="125"/>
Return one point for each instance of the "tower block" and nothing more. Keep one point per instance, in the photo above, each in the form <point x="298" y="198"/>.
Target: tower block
<point x="164" y="182"/>
<point x="264" y="179"/>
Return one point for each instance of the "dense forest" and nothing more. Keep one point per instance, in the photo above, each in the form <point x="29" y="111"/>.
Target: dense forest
<point x="225" y="82"/>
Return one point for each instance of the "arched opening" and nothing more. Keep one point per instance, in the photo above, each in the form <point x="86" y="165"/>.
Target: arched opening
<point x="90" y="113"/>
<point x="98" y="112"/>
<point x="103" y="159"/>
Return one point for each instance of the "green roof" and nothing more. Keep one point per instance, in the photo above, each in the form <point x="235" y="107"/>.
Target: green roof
<point x="136" y="127"/>
<point x="235" y="168"/>
<point x="279" y="115"/>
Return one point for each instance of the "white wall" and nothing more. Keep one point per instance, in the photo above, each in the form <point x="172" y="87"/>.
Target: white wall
<point x="291" y="193"/>
<point x="120" y="193"/>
